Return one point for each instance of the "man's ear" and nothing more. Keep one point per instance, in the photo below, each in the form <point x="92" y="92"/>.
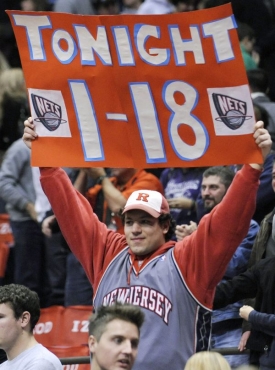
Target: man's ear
<point x="92" y="343"/>
<point x="25" y="319"/>
<point x="165" y="227"/>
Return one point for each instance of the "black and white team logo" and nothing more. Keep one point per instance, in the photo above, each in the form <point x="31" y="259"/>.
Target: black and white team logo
<point x="48" y="112"/>
<point x="232" y="112"/>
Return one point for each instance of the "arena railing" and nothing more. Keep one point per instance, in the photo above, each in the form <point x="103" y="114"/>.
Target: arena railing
<point x="86" y="359"/>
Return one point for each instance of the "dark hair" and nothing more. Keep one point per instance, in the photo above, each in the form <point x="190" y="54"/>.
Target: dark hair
<point x="20" y="299"/>
<point x="105" y="314"/>
<point x="97" y="4"/>
<point x="212" y="3"/>
<point x="258" y="80"/>
<point x="163" y="218"/>
<point x="224" y="173"/>
<point x="187" y="2"/>
<point x="244" y="30"/>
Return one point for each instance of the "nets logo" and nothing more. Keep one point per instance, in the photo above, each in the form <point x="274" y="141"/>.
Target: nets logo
<point x="48" y="112"/>
<point x="231" y="111"/>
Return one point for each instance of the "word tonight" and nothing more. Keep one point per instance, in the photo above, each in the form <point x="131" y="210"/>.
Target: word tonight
<point x="66" y="46"/>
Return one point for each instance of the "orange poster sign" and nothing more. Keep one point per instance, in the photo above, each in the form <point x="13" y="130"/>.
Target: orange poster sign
<point x="136" y="91"/>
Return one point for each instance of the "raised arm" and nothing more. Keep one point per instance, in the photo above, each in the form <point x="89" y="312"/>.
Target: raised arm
<point x="204" y="255"/>
<point x="264" y="142"/>
<point x="88" y="238"/>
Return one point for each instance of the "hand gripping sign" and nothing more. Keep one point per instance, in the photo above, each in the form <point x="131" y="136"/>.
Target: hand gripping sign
<point x="136" y="91"/>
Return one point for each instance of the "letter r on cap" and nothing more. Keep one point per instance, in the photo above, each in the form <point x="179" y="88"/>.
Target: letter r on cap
<point x="143" y="197"/>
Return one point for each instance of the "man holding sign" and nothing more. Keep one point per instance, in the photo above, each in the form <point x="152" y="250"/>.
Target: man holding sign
<point x="173" y="283"/>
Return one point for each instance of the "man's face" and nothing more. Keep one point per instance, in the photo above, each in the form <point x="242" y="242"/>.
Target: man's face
<point x="143" y="232"/>
<point x="117" y="172"/>
<point x="27" y="5"/>
<point x="116" y="348"/>
<point x="10" y="328"/>
<point x="212" y="191"/>
<point x="248" y="44"/>
<point x="108" y="8"/>
<point x="122" y="174"/>
<point x="185" y="6"/>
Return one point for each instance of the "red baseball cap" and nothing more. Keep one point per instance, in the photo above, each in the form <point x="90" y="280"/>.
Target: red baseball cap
<point x="150" y="201"/>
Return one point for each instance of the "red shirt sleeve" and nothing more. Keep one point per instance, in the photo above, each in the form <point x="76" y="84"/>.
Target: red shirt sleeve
<point x="204" y="255"/>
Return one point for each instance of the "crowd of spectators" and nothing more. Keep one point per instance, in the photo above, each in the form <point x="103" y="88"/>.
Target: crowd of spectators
<point x="53" y="271"/>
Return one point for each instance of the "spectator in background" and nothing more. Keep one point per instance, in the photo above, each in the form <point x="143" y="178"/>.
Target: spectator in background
<point x="106" y="7"/>
<point x="4" y="65"/>
<point x="265" y="201"/>
<point x="14" y="106"/>
<point x="74" y="6"/>
<point x="19" y="313"/>
<point x="207" y="361"/>
<point x="259" y="282"/>
<point x="181" y="189"/>
<point x="130" y="6"/>
<point x="247" y="41"/>
<point x="226" y="323"/>
<point x="99" y="7"/>
<point x="114" y="333"/>
<point x="259" y="87"/>
<point x="8" y="44"/>
<point x="17" y="190"/>
<point x="263" y="247"/>
<point x="183" y="5"/>
<point x="34" y="5"/>
<point x="69" y="283"/>
<point x="156" y="7"/>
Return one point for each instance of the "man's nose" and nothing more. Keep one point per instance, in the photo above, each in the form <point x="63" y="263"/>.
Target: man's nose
<point x="127" y="348"/>
<point x="136" y="227"/>
<point x="204" y="192"/>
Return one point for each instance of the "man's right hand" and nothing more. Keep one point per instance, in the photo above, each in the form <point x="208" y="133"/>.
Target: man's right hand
<point x="31" y="211"/>
<point x="243" y="341"/>
<point x="29" y="132"/>
<point x="46" y="225"/>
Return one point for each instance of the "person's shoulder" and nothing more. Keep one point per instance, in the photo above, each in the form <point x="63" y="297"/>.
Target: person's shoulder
<point x="42" y="349"/>
<point x="45" y="358"/>
<point x="18" y="145"/>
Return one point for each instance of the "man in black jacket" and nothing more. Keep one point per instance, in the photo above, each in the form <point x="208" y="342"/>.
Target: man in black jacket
<point x="259" y="282"/>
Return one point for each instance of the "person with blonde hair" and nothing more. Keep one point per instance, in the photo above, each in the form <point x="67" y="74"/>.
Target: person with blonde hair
<point x="206" y="360"/>
<point x="12" y="83"/>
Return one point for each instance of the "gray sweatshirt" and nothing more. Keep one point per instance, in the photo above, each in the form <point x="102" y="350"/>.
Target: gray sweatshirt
<point x="16" y="182"/>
